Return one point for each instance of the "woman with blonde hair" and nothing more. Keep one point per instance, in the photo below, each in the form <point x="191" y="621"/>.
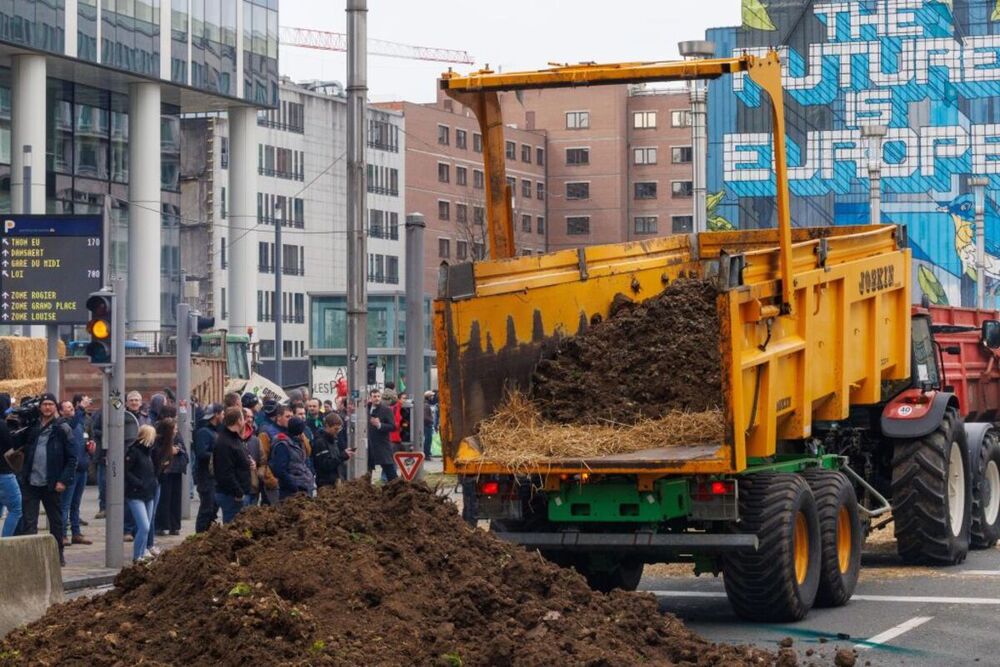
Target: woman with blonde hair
<point x="140" y="487"/>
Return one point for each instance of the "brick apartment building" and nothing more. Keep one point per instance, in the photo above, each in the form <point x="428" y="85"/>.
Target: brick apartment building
<point x="619" y="165"/>
<point x="446" y="183"/>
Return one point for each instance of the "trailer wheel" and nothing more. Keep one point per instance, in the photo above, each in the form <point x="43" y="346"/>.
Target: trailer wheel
<point x="986" y="494"/>
<point x="840" y="536"/>
<point x="779" y="582"/>
<point x="932" y="494"/>
<point x="605" y="577"/>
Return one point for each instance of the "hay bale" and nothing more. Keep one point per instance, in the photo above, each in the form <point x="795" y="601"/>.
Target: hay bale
<point x="20" y="388"/>
<point x="24" y="358"/>
<point x="517" y="436"/>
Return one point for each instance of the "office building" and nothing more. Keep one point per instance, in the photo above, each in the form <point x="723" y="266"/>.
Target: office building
<point x="301" y="171"/>
<point x="91" y="94"/>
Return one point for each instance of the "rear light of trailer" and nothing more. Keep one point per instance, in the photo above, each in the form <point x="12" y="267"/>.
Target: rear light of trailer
<point x="491" y="488"/>
<point x="713" y="489"/>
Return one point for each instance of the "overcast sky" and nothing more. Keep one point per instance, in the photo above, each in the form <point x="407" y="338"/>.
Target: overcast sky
<point x="512" y="34"/>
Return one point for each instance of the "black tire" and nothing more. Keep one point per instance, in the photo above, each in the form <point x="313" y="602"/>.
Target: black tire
<point x="624" y="576"/>
<point x="985" y="509"/>
<point x="839" y="518"/>
<point x="765" y="585"/>
<point x="926" y="531"/>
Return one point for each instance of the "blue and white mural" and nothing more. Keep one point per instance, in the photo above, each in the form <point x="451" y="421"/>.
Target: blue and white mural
<point x="927" y="70"/>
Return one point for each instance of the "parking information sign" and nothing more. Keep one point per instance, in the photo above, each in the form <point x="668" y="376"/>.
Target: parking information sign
<point x="49" y="265"/>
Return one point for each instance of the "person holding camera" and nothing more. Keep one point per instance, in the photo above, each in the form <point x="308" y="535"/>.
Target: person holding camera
<point x="49" y="469"/>
<point x="10" y="462"/>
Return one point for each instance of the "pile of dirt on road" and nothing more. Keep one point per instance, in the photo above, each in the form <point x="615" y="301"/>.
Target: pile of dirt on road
<point x="360" y="575"/>
<point x="646" y="360"/>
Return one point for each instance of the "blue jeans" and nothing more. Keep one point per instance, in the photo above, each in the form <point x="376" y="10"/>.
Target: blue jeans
<point x="152" y="515"/>
<point x="71" y="498"/>
<point x="10" y="497"/>
<point x="142" y="514"/>
<point x="230" y="506"/>
<point x="428" y="439"/>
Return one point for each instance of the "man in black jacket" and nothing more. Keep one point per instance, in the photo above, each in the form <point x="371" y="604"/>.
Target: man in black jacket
<point x="381" y="423"/>
<point x="329" y="452"/>
<point x="204" y="443"/>
<point x="49" y="467"/>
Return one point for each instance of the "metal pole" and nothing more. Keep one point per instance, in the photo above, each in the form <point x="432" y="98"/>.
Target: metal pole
<point x="357" y="252"/>
<point x="52" y="359"/>
<point x="874" y="134"/>
<point x="114" y="414"/>
<point x="279" y="353"/>
<point x="415" y="325"/>
<point x="979" y="184"/>
<point x="697" y="50"/>
<point x="184" y="395"/>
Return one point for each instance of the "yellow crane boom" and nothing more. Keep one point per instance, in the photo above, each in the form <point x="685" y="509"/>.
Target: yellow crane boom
<point x="479" y="92"/>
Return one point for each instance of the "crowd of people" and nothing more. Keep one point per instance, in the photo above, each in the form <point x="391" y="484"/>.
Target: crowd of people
<point x="244" y="452"/>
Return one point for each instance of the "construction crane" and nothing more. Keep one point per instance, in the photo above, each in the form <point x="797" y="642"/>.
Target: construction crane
<point x="337" y="41"/>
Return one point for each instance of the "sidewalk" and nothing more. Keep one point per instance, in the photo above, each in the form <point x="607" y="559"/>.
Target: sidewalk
<point x="85" y="563"/>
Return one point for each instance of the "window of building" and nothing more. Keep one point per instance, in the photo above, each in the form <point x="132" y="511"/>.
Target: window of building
<point x="444" y="248"/>
<point x="376" y="228"/>
<point x="478" y="215"/>
<point x="682" y="224"/>
<point x="645" y="190"/>
<point x="511" y="150"/>
<point x="577" y="225"/>
<point x="540" y="190"/>
<point x="512" y="184"/>
<point x="265" y="255"/>
<point x="525" y="252"/>
<point x="644" y="155"/>
<point x="477" y="142"/>
<point x="540" y="157"/>
<point x="461" y="175"/>
<point x="461" y="137"/>
<point x="222" y="252"/>
<point x="644" y="120"/>
<point x="222" y="304"/>
<point x="680" y="118"/>
<point x="461" y="213"/>
<point x="526" y="153"/>
<point x="392" y="269"/>
<point x="526" y="223"/>
<point x="444" y="210"/>
<point x="577" y="156"/>
<point x="461" y="250"/>
<point x="444" y="173"/>
<point x="478" y="251"/>
<point x="680" y="154"/>
<point x="681" y="189"/>
<point x="222" y="204"/>
<point x="645" y="224"/>
<point x="478" y="179"/>
<point x="577" y="120"/>
<point x="578" y="191"/>
<point x="540" y="228"/>
<point x="526" y="188"/>
<point x="444" y="137"/>
<point x="224" y="152"/>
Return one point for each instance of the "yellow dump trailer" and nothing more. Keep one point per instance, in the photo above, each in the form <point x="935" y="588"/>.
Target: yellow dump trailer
<point x="824" y="422"/>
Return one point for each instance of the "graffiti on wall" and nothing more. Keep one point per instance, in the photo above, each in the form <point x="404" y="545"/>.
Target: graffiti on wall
<point x="909" y="65"/>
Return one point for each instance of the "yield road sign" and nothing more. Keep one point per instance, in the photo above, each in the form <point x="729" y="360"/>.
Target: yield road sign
<point x="409" y="463"/>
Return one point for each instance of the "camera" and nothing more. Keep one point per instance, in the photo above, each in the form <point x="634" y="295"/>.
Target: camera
<point x="26" y="414"/>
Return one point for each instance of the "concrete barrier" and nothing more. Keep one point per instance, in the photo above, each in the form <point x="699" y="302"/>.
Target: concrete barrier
<point x="30" y="579"/>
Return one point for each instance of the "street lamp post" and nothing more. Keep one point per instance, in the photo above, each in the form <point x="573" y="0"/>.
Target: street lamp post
<point x="697" y="50"/>
<point x="874" y="134"/>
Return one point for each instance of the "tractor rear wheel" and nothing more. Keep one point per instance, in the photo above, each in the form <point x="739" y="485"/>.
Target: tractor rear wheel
<point x="606" y="574"/>
<point x="840" y="536"/>
<point x="932" y="494"/>
<point x="986" y="494"/>
<point x="780" y="580"/>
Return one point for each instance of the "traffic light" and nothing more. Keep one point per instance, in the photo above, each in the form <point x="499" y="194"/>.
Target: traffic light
<point x="100" y="326"/>
<point x="199" y="323"/>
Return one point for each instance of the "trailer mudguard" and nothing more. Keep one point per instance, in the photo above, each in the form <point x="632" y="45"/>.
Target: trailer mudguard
<point x="974" y="434"/>
<point x="915" y="413"/>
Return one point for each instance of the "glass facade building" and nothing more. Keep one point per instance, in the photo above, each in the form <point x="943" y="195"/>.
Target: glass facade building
<point x="202" y="56"/>
<point x="386" y="335"/>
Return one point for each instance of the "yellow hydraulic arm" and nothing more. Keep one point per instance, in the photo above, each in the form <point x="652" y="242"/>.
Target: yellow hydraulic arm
<point x="478" y="91"/>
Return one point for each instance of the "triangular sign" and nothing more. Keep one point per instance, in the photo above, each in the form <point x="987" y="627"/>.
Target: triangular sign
<point x="409" y="463"/>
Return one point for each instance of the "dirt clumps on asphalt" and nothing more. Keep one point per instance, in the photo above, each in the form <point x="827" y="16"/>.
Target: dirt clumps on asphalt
<point x="642" y="362"/>
<point x="360" y="575"/>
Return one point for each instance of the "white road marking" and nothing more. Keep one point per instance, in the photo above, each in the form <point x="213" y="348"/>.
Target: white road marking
<point x="892" y="633"/>
<point x="866" y="598"/>
<point x="980" y="573"/>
